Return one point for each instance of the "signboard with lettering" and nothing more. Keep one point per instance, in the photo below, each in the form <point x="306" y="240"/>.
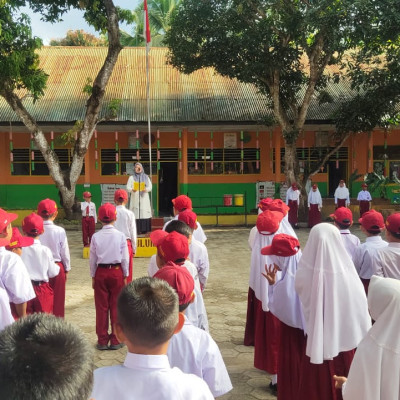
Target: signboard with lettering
<point x="108" y="190"/>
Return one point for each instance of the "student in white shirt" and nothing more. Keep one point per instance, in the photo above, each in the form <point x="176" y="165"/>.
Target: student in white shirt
<point x="182" y="203"/>
<point x="192" y="350"/>
<point x="293" y="201"/>
<point x="343" y="220"/>
<point x="314" y="206"/>
<point x="342" y="195"/>
<point x="55" y="238"/>
<point x="372" y="224"/>
<point x="147" y="318"/>
<point x="40" y="264"/>
<point x="126" y="224"/>
<point x="89" y="218"/>
<point x="42" y="357"/>
<point x="14" y="278"/>
<point x="109" y="269"/>
<point x="364" y="199"/>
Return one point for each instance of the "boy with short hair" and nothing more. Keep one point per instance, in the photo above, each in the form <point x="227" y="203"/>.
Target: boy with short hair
<point x="193" y="350"/>
<point x="364" y="199"/>
<point x="147" y="318"/>
<point x="175" y="247"/>
<point x="372" y="224"/>
<point x="89" y="218"/>
<point x="182" y="203"/>
<point x="40" y="265"/>
<point x="386" y="261"/>
<point x="109" y="269"/>
<point x="15" y="284"/>
<point x="126" y="224"/>
<point x="55" y="238"/>
<point x="198" y="253"/>
<point x="44" y="358"/>
<point x="343" y="220"/>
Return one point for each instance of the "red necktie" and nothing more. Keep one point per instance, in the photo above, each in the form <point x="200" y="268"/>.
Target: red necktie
<point x="87" y="211"/>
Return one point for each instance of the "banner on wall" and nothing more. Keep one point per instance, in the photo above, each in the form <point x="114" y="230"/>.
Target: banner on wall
<point x="230" y="140"/>
<point x="108" y="190"/>
<point x="264" y="189"/>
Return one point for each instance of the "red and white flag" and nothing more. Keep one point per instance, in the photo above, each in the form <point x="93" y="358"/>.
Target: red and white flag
<point x="146" y="27"/>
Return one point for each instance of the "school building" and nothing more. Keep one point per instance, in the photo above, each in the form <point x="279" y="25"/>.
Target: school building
<point x="208" y="139"/>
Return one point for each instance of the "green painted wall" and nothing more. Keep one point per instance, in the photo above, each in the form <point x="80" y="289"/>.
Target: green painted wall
<point x="213" y="193"/>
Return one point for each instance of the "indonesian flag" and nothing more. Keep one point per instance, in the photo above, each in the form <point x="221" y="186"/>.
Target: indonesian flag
<point x="146" y="26"/>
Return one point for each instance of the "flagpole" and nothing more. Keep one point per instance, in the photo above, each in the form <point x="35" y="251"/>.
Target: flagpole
<point x="148" y="41"/>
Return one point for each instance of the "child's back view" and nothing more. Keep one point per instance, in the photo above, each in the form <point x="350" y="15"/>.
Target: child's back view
<point x="147" y="318"/>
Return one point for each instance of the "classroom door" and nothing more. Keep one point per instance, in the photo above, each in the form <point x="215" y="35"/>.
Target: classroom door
<point x="168" y="187"/>
<point x="336" y="171"/>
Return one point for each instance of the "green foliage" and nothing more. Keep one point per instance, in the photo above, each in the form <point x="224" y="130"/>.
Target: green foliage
<point x="113" y="107"/>
<point x="88" y="88"/>
<point x="79" y="38"/>
<point x="353" y="177"/>
<point x="69" y="137"/>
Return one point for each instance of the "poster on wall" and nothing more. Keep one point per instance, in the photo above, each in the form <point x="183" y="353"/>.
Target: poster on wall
<point x="264" y="189"/>
<point x="284" y="188"/>
<point x="108" y="190"/>
<point x="230" y="140"/>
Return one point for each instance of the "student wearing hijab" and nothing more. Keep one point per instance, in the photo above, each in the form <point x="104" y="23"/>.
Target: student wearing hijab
<point x="335" y="312"/>
<point x="342" y="195"/>
<point x="314" y="206"/>
<point x="375" y="371"/>
<point x="293" y="201"/>
<point x="139" y="185"/>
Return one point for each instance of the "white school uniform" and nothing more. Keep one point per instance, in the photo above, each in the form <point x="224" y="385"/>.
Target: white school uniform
<point x="92" y="210"/>
<point x="55" y="238"/>
<point x="108" y="246"/>
<point x="350" y="241"/>
<point x="293" y="195"/>
<point x="196" y="312"/>
<point x="198" y="233"/>
<point x="364" y="195"/>
<point x="39" y="262"/>
<point x="126" y="224"/>
<point x="364" y="254"/>
<point x="195" y="352"/>
<point x="198" y="255"/>
<point x="342" y="193"/>
<point x="147" y="377"/>
<point x="6" y="317"/>
<point x="386" y="261"/>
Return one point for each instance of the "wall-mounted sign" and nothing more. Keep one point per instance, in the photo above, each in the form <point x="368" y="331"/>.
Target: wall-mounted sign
<point x="230" y="140"/>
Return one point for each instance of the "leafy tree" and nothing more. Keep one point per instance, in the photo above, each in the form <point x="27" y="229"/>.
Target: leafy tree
<point x="285" y="49"/>
<point x="160" y="12"/>
<point x="19" y="69"/>
<point x="79" y="38"/>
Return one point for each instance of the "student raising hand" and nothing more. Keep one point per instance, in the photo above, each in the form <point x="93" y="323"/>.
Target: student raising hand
<point x="270" y="274"/>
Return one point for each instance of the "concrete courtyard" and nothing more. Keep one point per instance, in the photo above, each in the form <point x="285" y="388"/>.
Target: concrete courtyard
<point x="225" y="297"/>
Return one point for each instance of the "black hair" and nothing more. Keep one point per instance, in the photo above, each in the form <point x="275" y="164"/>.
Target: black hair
<point x="179" y="226"/>
<point x="42" y="357"/>
<point x="343" y="226"/>
<point x="183" y="307"/>
<point x="395" y="235"/>
<point x="148" y="311"/>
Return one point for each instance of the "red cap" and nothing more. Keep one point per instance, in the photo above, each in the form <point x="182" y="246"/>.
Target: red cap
<point x="372" y="221"/>
<point x="264" y="204"/>
<point x="315" y="186"/>
<point x="279" y="205"/>
<point x="268" y="221"/>
<point x="120" y="195"/>
<point x="182" y="202"/>
<point x="393" y="223"/>
<point x="343" y="215"/>
<point x="5" y="219"/>
<point x="179" y="278"/>
<point x="46" y="207"/>
<point x="33" y="224"/>
<point x="17" y="240"/>
<point x="171" y="246"/>
<point x="282" y="245"/>
<point x="294" y="185"/>
<point x="364" y="185"/>
<point x="87" y="194"/>
<point x="107" y="213"/>
<point x="189" y="218"/>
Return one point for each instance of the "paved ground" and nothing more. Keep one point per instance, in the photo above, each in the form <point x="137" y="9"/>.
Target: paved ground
<point x="225" y="298"/>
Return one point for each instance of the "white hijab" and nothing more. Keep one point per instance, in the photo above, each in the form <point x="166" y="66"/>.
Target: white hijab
<point x="284" y="302"/>
<point x="375" y="371"/>
<point x="342" y="192"/>
<point x="315" y="197"/>
<point x="332" y="296"/>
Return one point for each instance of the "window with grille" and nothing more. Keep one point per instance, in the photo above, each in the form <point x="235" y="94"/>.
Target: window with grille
<point x="223" y="161"/>
<point x="31" y="162"/>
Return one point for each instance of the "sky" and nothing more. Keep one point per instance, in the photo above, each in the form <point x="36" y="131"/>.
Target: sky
<point x="73" y="20"/>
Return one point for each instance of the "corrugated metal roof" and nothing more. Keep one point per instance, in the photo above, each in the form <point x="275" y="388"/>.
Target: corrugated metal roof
<point x="200" y="97"/>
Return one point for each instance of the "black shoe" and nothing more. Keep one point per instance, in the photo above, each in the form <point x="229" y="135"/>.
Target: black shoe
<point x="273" y="388"/>
<point x="101" y="346"/>
<point x="115" y="346"/>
